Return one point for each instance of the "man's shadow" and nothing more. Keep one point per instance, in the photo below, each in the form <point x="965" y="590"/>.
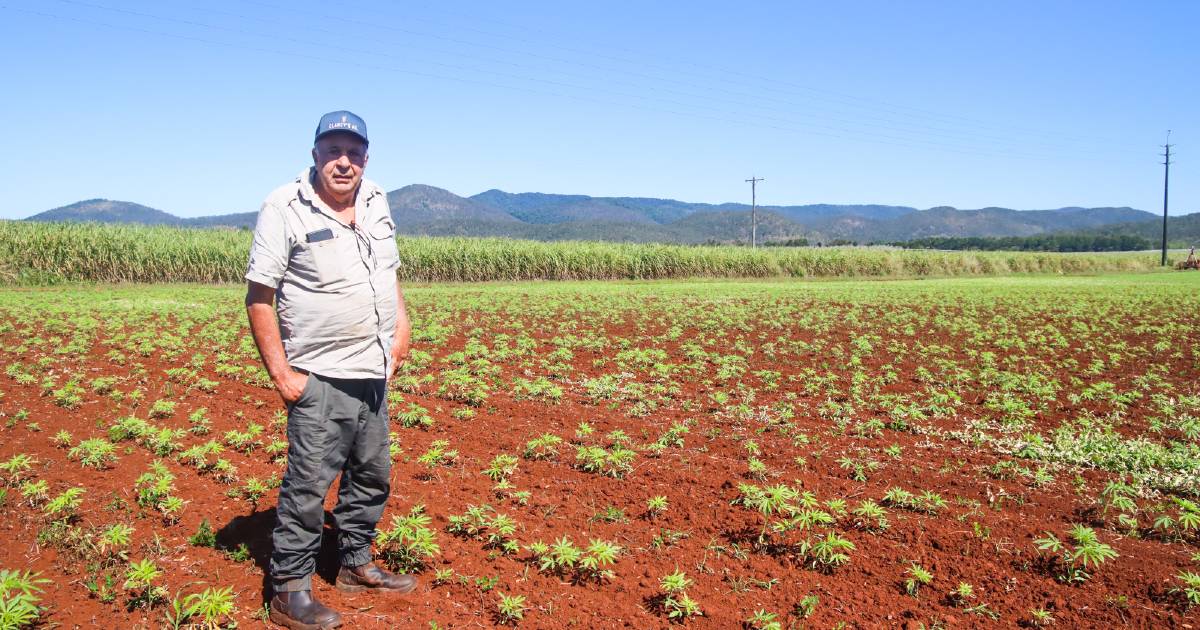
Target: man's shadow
<point x="254" y="531"/>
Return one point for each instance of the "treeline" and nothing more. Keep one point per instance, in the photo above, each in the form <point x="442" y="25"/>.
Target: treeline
<point x="1038" y="243"/>
<point x="43" y="253"/>
<point x="803" y="242"/>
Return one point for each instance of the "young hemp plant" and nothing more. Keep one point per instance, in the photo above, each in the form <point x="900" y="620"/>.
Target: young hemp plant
<point x="917" y="577"/>
<point x="1190" y="589"/>
<point x="510" y="609"/>
<point x="19" y="598"/>
<point x="114" y="541"/>
<point x="17" y="468"/>
<point x="656" y="506"/>
<point x="502" y="466"/>
<point x="675" y="601"/>
<point x="763" y="620"/>
<point x="410" y="543"/>
<point x="544" y="446"/>
<point x="1072" y="564"/>
<point x="139" y="581"/>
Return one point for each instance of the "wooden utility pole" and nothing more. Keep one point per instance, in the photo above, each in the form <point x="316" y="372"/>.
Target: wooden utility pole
<point x="1166" y="181"/>
<point x="754" y="210"/>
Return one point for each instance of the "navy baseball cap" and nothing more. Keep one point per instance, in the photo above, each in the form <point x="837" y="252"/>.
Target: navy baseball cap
<point x="342" y="120"/>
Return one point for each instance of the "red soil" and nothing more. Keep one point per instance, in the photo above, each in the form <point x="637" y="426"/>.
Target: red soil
<point x="985" y="536"/>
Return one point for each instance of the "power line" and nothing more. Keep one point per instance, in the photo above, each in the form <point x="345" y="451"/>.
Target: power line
<point x="814" y="129"/>
<point x="708" y="89"/>
<point x="739" y="117"/>
<point x="1015" y="150"/>
<point x="840" y="100"/>
<point x="739" y="74"/>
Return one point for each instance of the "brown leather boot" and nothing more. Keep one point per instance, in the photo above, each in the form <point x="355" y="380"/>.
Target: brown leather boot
<point x="368" y="577"/>
<point x="298" y="610"/>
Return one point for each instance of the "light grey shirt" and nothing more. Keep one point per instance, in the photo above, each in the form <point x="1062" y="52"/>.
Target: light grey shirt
<point x="335" y="285"/>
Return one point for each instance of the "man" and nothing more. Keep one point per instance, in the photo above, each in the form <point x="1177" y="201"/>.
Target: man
<point x="325" y="251"/>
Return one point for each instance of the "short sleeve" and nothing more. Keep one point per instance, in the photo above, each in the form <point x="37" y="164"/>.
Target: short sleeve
<point x="269" y="251"/>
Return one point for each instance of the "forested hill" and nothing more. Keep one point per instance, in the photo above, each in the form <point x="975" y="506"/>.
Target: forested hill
<point x="427" y="210"/>
<point x="1182" y="231"/>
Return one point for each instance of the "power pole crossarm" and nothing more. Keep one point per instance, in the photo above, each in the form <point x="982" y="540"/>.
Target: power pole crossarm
<point x="754" y="210"/>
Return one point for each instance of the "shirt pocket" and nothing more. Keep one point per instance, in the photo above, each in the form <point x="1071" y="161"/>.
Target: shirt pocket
<point x="383" y="237"/>
<point x="319" y="261"/>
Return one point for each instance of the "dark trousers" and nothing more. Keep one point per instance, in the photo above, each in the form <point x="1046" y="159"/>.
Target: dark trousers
<point x="336" y="426"/>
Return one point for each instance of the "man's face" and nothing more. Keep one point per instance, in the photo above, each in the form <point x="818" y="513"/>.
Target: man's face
<point x="340" y="160"/>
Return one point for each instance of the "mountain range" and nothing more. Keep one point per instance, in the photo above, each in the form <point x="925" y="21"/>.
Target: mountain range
<point x="426" y="210"/>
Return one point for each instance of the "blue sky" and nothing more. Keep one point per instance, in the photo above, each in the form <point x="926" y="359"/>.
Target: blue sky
<point x="203" y="107"/>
